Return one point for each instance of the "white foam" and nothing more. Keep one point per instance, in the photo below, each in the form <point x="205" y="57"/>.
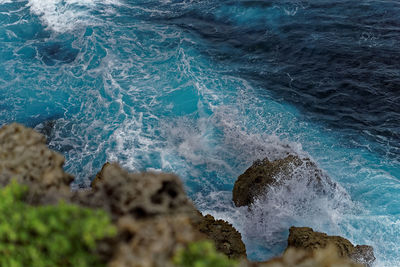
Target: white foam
<point x="66" y="15"/>
<point x="298" y="201"/>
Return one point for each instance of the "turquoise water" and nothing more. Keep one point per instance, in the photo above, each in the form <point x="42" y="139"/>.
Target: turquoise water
<point x="204" y="88"/>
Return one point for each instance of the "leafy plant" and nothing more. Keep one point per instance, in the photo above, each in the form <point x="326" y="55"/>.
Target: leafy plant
<point x="202" y="254"/>
<point x="52" y="235"/>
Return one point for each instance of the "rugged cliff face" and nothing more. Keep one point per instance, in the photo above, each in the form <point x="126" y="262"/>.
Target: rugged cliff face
<point x="153" y="209"/>
<point x="152" y="214"/>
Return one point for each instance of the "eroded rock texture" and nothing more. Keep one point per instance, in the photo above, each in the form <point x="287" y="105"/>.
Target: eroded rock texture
<point x="264" y="173"/>
<point x="25" y="157"/>
<point x="140" y="195"/>
<point x="226" y="238"/>
<point x="326" y="257"/>
<point x="153" y="241"/>
<point x="305" y="238"/>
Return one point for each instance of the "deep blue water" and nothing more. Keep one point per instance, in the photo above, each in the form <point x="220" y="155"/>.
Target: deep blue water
<point x="204" y="88"/>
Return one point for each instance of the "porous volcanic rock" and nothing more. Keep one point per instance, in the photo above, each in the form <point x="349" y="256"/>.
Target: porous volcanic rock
<point x="226" y="238"/>
<point x="152" y="242"/>
<point x="326" y="257"/>
<point x="264" y="173"/>
<point x="145" y="205"/>
<point x="140" y="195"/>
<point x="305" y="238"/>
<point x="25" y="157"/>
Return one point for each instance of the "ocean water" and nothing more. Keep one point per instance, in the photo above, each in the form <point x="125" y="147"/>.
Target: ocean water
<point x="204" y="88"/>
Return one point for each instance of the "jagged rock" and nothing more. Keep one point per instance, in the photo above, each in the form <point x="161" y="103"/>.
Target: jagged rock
<point x="305" y="238"/>
<point x="263" y="173"/>
<point x="100" y="175"/>
<point x="152" y="242"/>
<point x="144" y="196"/>
<point x="25" y="157"/>
<point x="326" y="257"/>
<point x="139" y="195"/>
<point x="226" y="238"/>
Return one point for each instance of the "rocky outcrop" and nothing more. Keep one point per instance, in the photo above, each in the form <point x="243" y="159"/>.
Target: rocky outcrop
<point x="153" y="241"/>
<point x="144" y="196"/>
<point x="226" y="238"/>
<point x="326" y="257"/>
<point x="100" y="175"/>
<point x="25" y="157"/>
<point x="305" y="238"/>
<point x="139" y="195"/>
<point x="151" y="211"/>
<point x="264" y="173"/>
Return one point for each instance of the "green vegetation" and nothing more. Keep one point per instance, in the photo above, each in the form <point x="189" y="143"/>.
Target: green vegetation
<point x="58" y="235"/>
<point x="202" y="254"/>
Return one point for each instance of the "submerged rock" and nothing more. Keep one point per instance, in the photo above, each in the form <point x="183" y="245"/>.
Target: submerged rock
<point x="25" y="157"/>
<point x="264" y="173"/>
<point x="305" y="238"/>
<point x="226" y="238"/>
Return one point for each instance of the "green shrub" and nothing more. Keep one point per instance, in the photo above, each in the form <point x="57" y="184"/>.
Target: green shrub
<point x="58" y="235"/>
<point x="202" y="254"/>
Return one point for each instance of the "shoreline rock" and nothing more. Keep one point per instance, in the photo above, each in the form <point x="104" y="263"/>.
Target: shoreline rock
<point x="152" y="212"/>
<point x="226" y="238"/>
<point x="159" y="194"/>
<point x="264" y="173"/>
<point x="305" y="238"/>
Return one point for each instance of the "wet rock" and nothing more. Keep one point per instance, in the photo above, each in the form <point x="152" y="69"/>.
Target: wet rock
<point x="363" y="254"/>
<point x="140" y="195"/>
<point x="264" y="173"/>
<point x="305" y="238"/>
<point x="25" y="157"/>
<point x="226" y="238"/>
<point x="47" y="129"/>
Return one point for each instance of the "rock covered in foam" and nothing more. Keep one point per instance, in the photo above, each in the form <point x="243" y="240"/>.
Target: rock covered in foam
<point x="25" y="157"/>
<point x="264" y="173"/>
<point x="226" y="238"/>
<point x="305" y="238"/>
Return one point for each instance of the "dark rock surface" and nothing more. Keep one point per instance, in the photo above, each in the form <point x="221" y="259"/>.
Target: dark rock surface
<point x="226" y="238"/>
<point x="305" y="238"/>
<point x="264" y="173"/>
